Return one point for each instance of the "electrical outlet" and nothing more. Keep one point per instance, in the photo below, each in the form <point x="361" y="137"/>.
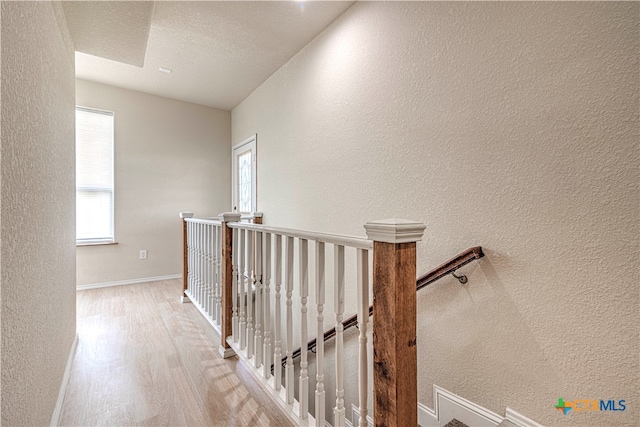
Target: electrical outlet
<point x="143" y="254"/>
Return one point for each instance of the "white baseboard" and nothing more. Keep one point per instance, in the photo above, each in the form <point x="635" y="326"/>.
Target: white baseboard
<point x="519" y="419"/>
<point x="127" y="282"/>
<point x="55" y="419"/>
<point x="448" y="406"/>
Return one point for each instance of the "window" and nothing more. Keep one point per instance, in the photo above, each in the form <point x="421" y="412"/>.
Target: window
<point x="94" y="176"/>
<point x="244" y="176"/>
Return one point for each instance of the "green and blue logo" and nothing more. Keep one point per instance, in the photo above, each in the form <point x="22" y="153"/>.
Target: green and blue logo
<point x="583" y="405"/>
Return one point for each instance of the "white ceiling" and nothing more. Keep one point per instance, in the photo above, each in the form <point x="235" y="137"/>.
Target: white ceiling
<point x="219" y="51"/>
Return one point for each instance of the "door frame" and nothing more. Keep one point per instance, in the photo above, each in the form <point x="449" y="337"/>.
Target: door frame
<point x="248" y="144"/>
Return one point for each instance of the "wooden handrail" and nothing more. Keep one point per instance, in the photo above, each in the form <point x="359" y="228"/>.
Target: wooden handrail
<point x="450" y="266"/>
<point x="439" y="272"/>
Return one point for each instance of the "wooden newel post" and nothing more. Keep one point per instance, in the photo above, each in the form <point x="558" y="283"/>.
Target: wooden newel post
<point x="226" y="273"/>
<point x="185" y="256"/>
<point x="395" y="390"/>
<point x="257" y="218"/>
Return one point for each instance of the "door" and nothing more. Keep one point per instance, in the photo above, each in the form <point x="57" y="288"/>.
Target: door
<point x="244" y="176"/>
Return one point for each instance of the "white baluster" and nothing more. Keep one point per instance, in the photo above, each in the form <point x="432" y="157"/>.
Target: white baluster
<point x="243" y="296"/>
<point x="196" y="262"/>
<point x="189" y="266"/>
<point x="363" y="321"/>
<point x="339" y="411"/>
<point x="320" y="393"/>
<point x="199" y="262"/>
<point x="192" y="260"/>
<point x="277" y="356"/>
<point x="288" y="373"/>
<point x="205" y="269"/>
<point x="250" y="301"/>
<point x="203" y="266"/>
<point x="235" y="277"/>
<point x="208" y="270"/>
<point x="218" y="273"/>
<point x="304" y="346"/>
<point x="266" y="281"/>
<point x="258" y="301"/>
<point x="196" y="272"/>
<point x="214" y="274"/>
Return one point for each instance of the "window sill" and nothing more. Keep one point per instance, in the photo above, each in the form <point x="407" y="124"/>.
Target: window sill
<point x="95" y="243"/>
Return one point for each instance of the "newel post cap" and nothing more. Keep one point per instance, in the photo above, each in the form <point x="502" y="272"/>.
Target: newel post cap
<point x="229" y="217"/>
<point x="186" y="215"/>
<point x="394" y="230"/>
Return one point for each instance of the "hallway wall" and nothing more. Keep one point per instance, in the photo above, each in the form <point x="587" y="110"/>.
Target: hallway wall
<point x="170" y="156"/>
<point x="513" y="126"/>
<point x="37" y="214"/>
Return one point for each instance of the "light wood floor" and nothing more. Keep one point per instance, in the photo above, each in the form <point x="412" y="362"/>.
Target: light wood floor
<point x="144" y="358"/>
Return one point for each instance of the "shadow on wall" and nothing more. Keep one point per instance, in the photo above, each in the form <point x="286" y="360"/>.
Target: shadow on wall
<point x="478" y="329"/>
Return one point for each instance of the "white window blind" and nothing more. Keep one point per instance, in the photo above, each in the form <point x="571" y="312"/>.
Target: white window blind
<point x="94" y="176"/>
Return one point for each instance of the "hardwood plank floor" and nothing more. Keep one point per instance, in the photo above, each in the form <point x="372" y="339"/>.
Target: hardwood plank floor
<point x="146" y="359"/>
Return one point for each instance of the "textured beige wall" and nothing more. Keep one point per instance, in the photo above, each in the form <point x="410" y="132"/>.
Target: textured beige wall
<point x="38" y="210"/>
<point x="170" y="156"/>
<point x="508" y="125"/>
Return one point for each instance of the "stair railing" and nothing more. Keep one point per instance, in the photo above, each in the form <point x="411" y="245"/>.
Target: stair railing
<point x="201" y="277"/>
<point x="202" y="264"/>
<point x="253" y="273"/>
